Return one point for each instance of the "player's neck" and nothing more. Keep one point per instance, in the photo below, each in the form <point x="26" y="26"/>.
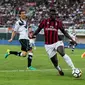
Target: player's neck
<point x="52" y="19"/>
<point x="23" y="19"/>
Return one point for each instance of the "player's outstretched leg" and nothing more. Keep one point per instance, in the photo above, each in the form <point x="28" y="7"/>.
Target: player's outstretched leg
<point x="7" y="53"/>
<point x="55" y="63"/>
<point x="66" y="57"/>
<point x="73" y="47"/>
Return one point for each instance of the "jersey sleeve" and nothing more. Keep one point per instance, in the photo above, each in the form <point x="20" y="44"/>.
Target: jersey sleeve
<point x="16" y="26"/>
<point x="60" y="25"/>
<point x="42" y="23"/>
<point x="40" y="27"/>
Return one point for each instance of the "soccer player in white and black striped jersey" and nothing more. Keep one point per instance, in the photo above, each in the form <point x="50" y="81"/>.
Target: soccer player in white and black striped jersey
<point x="73" y="36"/>
<point x="21" y="27"/>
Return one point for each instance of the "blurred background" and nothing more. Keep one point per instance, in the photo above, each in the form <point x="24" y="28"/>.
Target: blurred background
<point x="71" y="12"/>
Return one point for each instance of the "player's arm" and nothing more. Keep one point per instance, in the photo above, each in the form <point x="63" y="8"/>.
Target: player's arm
<point x="37" y="31"/>
<point x="15" y="29"/>
<point x="12" y="36"/>
<point x="40" y="27"/>
<point x="67" y="35"/>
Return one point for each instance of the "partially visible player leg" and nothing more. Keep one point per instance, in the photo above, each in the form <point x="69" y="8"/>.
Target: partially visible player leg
<point x="13" y="52"/>
<point x="55" y="63"/>
<point x="53" y="57"/>
<point x="67" y="59"/>
<point x="34" y="46"/>
<point x="33" y="43"/>
<point x="24" y="47"/>
<point x="83" y="55"/>
<point x="69" y="45"/>
<point x="30" y="55"/>
<point x="29" y="61"/>
<point x="73" y="47"/>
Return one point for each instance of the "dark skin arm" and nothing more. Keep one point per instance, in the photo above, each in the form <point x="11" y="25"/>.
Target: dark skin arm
<point x="67" y="35"/>
<point x="36" y="32"/>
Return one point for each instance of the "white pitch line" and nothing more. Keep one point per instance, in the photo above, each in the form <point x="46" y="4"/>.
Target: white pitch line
<point x="39" y="70"/>
<point x="41" y="54"/>
<point x="34" y="54"/>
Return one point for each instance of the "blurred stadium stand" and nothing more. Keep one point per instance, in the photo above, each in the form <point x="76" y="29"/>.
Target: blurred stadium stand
<point x="71" y="12"/>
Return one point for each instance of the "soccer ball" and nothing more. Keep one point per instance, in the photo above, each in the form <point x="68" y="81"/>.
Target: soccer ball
<point x="76" y="73"/>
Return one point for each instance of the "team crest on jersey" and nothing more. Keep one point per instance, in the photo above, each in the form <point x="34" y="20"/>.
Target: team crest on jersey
<point x="51" y="27"/>
<point x="56" y="24"/>
<point x="47" y="22"/>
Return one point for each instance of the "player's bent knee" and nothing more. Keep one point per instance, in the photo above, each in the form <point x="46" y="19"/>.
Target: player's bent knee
<point x="30" y="53"/>
<point x="24" y="54"/>
<point x="61" y="50"/>
<point x="62" y="54"/>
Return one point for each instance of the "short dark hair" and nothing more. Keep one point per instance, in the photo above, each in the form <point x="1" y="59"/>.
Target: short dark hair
<point x="21" y="11"/>
<point x="52" y="10"/>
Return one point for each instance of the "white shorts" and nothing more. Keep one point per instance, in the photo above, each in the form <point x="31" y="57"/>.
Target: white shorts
<point x="32" y="41"/>
<point x="52" y="49"/>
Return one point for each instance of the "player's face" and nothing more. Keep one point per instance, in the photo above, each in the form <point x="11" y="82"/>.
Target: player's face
<point x="52" y="15"/>
<point x="23" y="15"/>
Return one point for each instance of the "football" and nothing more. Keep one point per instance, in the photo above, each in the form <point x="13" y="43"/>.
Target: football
<point x="77" y="73"/>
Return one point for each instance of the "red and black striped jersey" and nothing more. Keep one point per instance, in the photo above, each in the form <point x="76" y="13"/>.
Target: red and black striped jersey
<point x="50" y="30"/>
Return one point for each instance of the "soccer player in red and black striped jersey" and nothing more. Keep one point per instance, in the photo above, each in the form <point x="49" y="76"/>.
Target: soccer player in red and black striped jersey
<point x="52" y="43"/>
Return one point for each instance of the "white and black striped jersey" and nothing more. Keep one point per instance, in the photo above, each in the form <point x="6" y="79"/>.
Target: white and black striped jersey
<point x="22" y="28"/>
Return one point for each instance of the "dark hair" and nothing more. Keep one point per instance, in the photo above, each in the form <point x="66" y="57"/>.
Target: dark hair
<point x="21" y="11"/>
<point x="52" y="10"/>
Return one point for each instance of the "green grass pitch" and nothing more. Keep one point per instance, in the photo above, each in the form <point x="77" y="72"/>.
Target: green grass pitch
<point x="13" y="69"/>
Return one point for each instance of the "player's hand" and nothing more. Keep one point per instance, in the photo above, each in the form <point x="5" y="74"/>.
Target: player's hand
<point x="31" y="35"/>
<point x="10" y="40"/>
<point x="34" y="36"/>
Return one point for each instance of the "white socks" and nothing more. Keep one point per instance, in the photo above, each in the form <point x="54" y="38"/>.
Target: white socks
<point x="58" y="68"/>
<point x="69" y="61"/>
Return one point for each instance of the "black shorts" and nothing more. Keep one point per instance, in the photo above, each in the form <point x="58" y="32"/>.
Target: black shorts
<point x="71" y="43"/>
<point x="25" y="45"/>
